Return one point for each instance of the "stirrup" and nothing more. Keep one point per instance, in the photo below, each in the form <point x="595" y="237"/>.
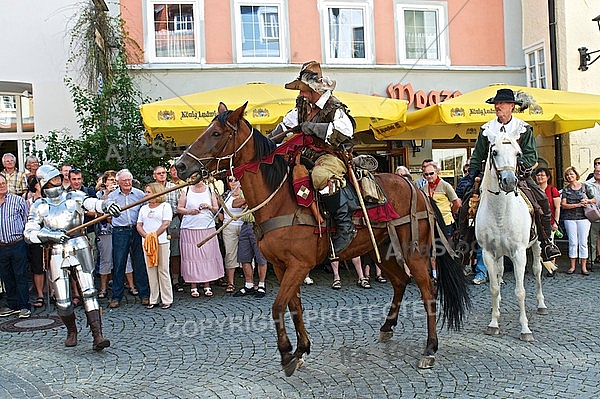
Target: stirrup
<point x="550" y="252"/>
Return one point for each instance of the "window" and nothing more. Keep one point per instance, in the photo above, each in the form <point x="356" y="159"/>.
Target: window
<point x="536" y="68"/>
<point x="347" y="32"/>
<point x="260" y="31"/>
<point x="9" y="103"/>
<point x="174" y="30"/>
<point x="422" y="33"/>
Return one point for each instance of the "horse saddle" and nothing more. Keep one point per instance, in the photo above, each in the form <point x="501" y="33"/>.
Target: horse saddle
<point x="532" y="205"/>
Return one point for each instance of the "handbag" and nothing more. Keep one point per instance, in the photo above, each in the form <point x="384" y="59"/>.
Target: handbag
<point x="591" y="212"/>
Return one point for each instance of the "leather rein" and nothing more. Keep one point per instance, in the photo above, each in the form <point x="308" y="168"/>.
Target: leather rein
<point x="493" y="166"/>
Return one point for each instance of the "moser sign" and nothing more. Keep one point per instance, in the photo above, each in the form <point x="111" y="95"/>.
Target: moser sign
<point x="419" y="99"/>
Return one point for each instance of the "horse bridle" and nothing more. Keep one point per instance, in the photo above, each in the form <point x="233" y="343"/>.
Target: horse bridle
<point x="234" y="130"/>
<point x="491" y="157"/>
<point x="230" y="157"/>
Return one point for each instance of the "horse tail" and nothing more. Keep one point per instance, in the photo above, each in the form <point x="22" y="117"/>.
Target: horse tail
<point x="452" y="286"/>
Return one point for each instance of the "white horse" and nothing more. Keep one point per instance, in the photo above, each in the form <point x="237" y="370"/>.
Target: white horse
<point x="502" y="227"/>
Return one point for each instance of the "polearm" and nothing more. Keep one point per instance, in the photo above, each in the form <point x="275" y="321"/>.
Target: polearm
<point x="362" y="205"/>
<point x="126" y="207"/>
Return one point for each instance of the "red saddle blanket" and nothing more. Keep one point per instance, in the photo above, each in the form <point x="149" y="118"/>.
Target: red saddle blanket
<point x="380" y="213"/>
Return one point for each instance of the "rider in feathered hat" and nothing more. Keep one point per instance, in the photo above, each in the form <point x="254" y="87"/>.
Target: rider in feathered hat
<point x="505" y="123"/>
<point x="319" y="113"/>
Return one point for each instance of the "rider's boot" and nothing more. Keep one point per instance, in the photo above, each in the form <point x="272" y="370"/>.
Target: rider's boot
<point x="95" y="324"/>
<point x="341" y="205"/>
<point x="549" y="249"/>
<point x="543" y="221"/>
<point x="69" y="322"/>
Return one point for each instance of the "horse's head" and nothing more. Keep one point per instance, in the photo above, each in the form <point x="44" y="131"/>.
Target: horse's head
<point x="503" y="160"/>
<point x="220" y="142"/>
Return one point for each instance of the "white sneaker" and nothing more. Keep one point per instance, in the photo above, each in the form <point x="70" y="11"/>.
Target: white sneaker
<point x="24" y="313"/>
<point x="479" y="280"/>
<point x="4" y="312"/>
<point x="309" y="281"/>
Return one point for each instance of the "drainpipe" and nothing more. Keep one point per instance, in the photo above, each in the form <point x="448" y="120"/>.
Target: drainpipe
<point x="558" y="142"/>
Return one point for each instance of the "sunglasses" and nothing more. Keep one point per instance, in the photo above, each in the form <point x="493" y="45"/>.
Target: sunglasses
<point x="231" y="179"/>
<point x="429" y="174"/>
<point x="596" y="163"/>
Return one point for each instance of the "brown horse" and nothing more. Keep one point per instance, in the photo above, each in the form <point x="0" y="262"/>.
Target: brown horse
<point x="294" y="249"/>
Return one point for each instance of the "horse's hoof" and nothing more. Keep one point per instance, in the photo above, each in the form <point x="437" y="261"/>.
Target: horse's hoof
<point x="289" y="368"/>
<point x="492" y="331"/>
<point x="527" y="337"/>
<point x="426" y="362"/>
<point x="385" y="336"/>
<point x="542" y="311"/>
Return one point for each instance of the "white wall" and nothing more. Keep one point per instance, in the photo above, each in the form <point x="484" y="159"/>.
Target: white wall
<point x="34" y="49"/>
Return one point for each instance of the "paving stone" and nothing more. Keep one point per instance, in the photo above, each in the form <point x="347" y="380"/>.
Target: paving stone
<point x="225" y="347"/>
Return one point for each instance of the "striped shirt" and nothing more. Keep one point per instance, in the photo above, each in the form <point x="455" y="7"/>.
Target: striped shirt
<point x="13" y="216"/>
<point x="173" y="196"/>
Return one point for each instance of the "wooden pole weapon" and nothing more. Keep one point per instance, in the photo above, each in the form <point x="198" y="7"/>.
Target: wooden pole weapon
<point x="133" y="204"/>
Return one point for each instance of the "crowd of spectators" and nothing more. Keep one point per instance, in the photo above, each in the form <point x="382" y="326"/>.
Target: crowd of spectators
<point x="150" y="250"/>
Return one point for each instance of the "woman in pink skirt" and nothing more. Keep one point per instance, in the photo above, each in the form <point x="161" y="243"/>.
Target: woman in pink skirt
<point x="198" y="205"/>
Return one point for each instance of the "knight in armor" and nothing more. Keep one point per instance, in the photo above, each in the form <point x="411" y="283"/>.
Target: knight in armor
<point x="505" y="123"/>
<point x="320" y="114"/>
<point x="50" y="218"/>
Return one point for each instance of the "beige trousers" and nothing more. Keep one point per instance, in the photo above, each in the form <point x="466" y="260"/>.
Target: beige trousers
<point x="159" y="277"/>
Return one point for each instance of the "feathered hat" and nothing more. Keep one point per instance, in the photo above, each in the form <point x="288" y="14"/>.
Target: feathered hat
<point x="311" y="78"/>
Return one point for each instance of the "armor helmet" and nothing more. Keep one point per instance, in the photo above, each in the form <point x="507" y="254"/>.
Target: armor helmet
<point x="45" y="173"/>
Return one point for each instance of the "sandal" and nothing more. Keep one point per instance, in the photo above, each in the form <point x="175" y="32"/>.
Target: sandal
<point x="230" y="288"/>
<point x="364" y="283"/>
<point x="208" y="291"/>
<point x="381" y="279"/>
<point x="133" y="291"/>
<point x="194" y="292"/>
<point x="165" y="306"/>
<point x="178" y="287"/>
<point x="38" y="302"/>
<point x="337" y="284"/>
<point x="222" y="282"/>
<point x="102" y="294"/>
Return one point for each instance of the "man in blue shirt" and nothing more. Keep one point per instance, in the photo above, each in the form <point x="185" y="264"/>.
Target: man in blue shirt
<point x="126" y="239"/>
<point x="14" y="268"/>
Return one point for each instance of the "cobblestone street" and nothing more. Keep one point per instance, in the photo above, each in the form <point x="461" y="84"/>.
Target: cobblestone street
<point x="225" y="347"/>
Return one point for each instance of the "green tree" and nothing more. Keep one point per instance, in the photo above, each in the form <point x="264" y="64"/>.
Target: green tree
<point x="106" y="102"/>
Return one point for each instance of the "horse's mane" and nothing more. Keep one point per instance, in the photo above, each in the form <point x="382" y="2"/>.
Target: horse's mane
<point x="273" y="173"/>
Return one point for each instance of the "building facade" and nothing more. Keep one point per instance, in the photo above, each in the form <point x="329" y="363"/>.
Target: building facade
<point x="575" y="28"/>
<point x="421" y="51"/>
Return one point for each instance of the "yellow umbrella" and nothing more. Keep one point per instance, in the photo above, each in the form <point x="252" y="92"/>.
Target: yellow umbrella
<point x="184" y="118"/>
<point x="556" y="112"/>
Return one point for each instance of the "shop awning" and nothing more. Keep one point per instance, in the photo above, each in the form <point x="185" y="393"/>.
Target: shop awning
<point x="184" y="118"/>
<point x="556" y="112"/>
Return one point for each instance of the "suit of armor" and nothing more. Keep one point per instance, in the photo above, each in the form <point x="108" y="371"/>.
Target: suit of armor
<point x="70" y="256"/>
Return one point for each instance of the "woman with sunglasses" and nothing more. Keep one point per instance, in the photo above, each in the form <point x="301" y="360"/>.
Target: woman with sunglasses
<point x="443" y="194"/>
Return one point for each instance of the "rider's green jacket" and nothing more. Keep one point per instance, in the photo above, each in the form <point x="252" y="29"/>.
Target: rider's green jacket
<point x="526" y="140"/>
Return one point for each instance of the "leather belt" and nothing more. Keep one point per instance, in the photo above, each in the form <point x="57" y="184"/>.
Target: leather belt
<point x="130" y="227"/>
<point x="6" y="244"/>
